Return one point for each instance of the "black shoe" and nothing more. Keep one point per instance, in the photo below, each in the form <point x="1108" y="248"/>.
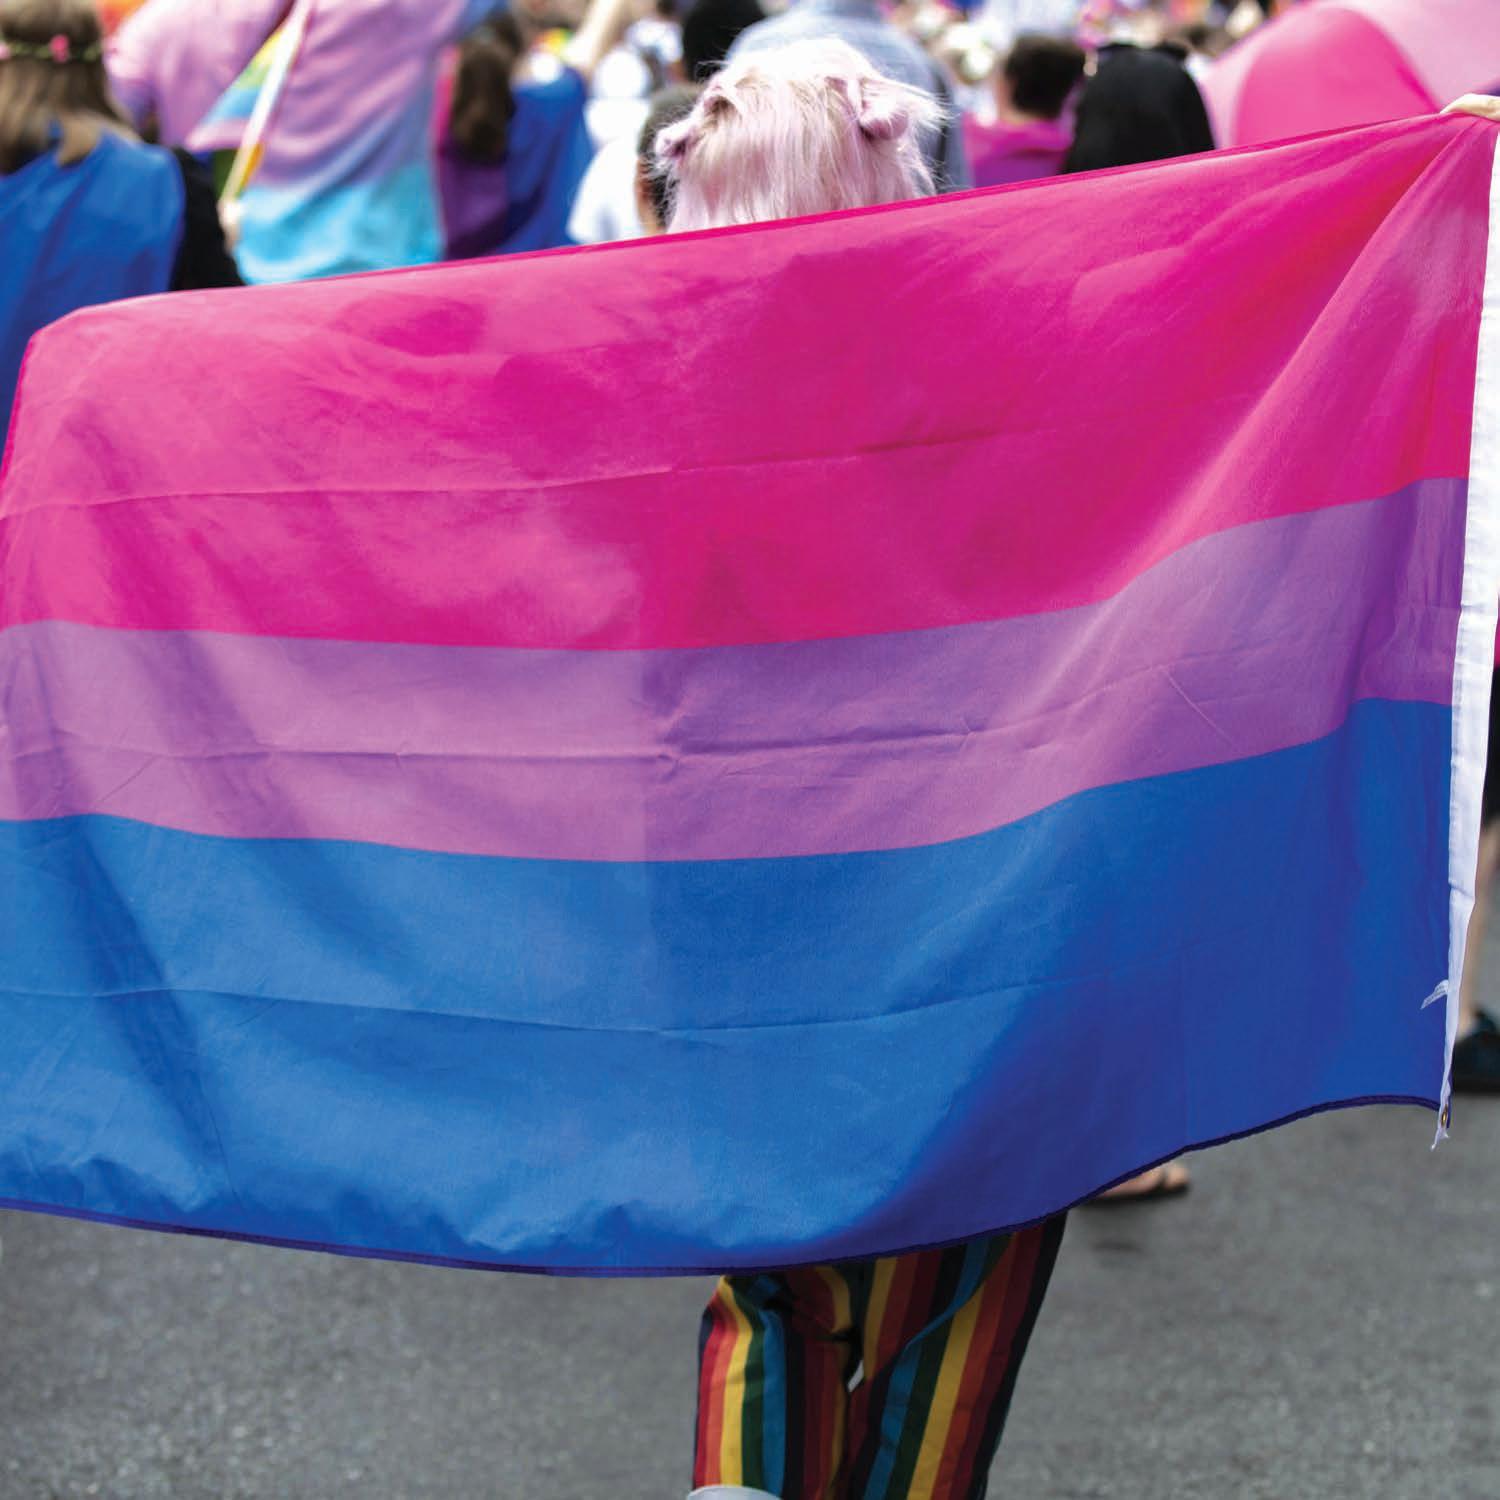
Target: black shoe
<point x="1476" y="1058"/>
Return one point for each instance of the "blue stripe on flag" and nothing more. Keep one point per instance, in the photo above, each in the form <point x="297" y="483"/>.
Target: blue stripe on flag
<point x="683" y="1066"/>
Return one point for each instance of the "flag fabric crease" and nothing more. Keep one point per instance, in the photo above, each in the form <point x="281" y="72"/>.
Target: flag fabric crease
<point x="756" y="747"/>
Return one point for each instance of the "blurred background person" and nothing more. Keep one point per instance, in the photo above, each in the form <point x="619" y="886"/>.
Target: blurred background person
<point x="1476" y="1048"/>
<point x="861" y="24"/>
<point x="346" y="181"/>
<point x="710" y="28"/>
<point x="87" y="212"/>
<point x="653" y="185"/>
<point x="514" y="147"/>
<point x="1149" y="22"/>
<point x="1004" y="21"/>
<point x="646" y="57"/>
<point x="1028" y="135"/>
<point x="624" y="193"/>
<point x="613" y="203"/>
<point x="1139" y="106"/>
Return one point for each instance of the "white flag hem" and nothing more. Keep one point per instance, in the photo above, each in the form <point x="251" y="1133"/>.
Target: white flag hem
<point x="1474" y="658"/>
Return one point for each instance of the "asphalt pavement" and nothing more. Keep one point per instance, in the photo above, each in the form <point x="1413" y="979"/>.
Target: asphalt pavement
<point x="1318" y="1318"/>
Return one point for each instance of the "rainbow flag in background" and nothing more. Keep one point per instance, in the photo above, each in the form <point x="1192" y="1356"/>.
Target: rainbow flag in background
<point x="344" y="178"/>
<point x="224" y="126"/>
<point x="753" y="747"/>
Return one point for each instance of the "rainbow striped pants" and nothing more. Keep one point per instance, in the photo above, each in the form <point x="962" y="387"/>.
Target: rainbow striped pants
<point x="870" y="1380"/>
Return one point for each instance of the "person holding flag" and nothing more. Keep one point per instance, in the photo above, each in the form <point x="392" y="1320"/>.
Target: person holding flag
<point x="886" y="1378"/>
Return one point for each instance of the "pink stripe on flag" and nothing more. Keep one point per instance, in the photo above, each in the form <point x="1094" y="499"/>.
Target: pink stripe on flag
<point x="1049" y="390"/>
<point x="1248" y="641"/>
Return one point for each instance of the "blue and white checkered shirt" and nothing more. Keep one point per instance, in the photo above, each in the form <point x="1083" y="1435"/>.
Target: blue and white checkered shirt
<point x="860" y="23"/>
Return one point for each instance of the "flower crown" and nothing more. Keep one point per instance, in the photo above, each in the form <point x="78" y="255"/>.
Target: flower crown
<point x="59" y="50"/>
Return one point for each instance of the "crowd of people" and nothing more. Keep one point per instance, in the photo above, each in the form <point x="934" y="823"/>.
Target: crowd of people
<point x="411" y="131"/>
<point x="490" y="132"/>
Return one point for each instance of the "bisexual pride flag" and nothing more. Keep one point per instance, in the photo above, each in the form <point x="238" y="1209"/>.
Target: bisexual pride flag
<point x="754" y="747"/>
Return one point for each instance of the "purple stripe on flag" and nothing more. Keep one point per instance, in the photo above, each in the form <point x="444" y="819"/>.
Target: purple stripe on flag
<point x="1241" y="643"/>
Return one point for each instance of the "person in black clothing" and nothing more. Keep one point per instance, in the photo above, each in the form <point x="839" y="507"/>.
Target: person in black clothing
<point x="1141" y="105"/>
<point x="203" y="255"/>
<point x="709" y="29"/>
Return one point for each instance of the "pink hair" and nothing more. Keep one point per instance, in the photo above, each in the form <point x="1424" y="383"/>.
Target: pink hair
<point x="801" y="129"/>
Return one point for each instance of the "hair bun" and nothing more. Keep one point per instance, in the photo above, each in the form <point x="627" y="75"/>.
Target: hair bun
<point x="673" y="142"/>
<point x="882" y="109"/>
<point x="888" y="121"/>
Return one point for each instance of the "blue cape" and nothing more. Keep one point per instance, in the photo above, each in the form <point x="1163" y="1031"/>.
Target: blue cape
<point x="104" y="228"/>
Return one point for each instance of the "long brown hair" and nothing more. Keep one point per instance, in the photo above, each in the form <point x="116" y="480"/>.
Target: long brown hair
<point x="42" y="99"/>
<point x="479" y="121"/>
